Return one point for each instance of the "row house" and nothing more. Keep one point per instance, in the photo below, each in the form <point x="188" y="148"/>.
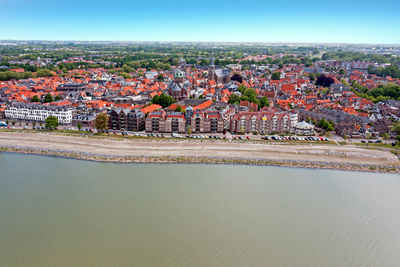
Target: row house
<point x="261" y="122"/>
<point x="127" y="120"/>
<point x="155" y="122"/>
<point x="207" y="122"/>
<point x="175" y="123"/>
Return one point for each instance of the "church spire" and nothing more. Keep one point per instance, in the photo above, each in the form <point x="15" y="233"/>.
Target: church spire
<point x="212" y="59"/>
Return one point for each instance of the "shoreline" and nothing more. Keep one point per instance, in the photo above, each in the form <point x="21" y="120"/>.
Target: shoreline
<point x="107" y="158"/>
<point x="109" y="149"/>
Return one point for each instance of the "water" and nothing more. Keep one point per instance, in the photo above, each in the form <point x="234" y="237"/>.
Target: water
<point x="61" y="212"/>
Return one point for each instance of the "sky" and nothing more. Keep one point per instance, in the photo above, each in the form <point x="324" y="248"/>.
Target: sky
<point x="339" y="21"/>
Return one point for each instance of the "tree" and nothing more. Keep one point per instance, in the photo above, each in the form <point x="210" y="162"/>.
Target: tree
<point x="160" y="78"/>
<point x="189" y="130"/>
<point x="44" y="73"/>
<point x="323" y="124"/>
<point x="57" y="98"/>
<point x="51" y="122"/>
<point x="263" y="102"/>
<point x="79" y="124"/>
<point x="242" y="88"/>
<point x="276" y="76"/>
<point x="48" y="98"/>
<point x="101" y="122"/>
<point x="324" y="80"/>
<point x="125" y="75"/>
<point x="237" y="77"/>
<point x="35" y="98"/>
<point x="178" y="109"/>
<point x="163" y="100"/>
<point x="234" y="99"/>
<point x="396" y="128"/>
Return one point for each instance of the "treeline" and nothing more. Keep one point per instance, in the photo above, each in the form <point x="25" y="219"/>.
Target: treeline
<point x="392" y="71"/>
<point x="358" y="56"/>
<point x="380" y="93"/>
<point x="12" y="75"/>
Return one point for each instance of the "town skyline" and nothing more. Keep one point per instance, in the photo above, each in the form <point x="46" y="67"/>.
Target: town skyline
<point x="197" y="42"/>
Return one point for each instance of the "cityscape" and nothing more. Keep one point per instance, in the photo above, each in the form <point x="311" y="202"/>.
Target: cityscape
<point x="310" y="90"/>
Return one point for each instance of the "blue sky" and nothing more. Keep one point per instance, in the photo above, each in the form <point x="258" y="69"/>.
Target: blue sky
<point x="339" y="21"/>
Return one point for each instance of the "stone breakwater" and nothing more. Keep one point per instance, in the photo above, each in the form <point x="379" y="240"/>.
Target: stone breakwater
<point x="202" y="160"/>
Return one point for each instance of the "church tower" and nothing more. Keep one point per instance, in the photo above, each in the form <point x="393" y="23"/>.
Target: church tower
<point x="211" y="69"/>
<point x="179" y="76"/>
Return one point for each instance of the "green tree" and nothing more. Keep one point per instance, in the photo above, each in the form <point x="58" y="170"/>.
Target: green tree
<point x="242" y="88"/>
<point x="276" y="76"/>
<point x="323" y="123"/>
<point x="234" y="99"/>
<point x="160" y="78"/>
<point x="57" y="98"/>
<point x="125" y="75"/>
<point x="163" y="100"/>
<point x="189" y="130"/>
<point x="178" y="109"/>
<point x="48" y="98"/>
<point x="51" y="122"/>
<point x="79" y="124"/>
<point x="101" y="122"/>
<point x="35" y="98"/>
<point x="396" y="128"/>
<point x="44" y="73"/>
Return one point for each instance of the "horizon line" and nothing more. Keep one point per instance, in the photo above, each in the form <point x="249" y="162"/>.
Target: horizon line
<point x="199" y="42"/>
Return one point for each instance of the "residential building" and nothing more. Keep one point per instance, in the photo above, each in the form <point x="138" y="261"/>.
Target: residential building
<point x="37" y="112"/>
<point x="263" y="122"/>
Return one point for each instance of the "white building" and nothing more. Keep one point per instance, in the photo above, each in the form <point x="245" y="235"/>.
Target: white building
<point x="37" y="112"/>
<point x="303" y="128"/>
<point x="294" y="119"/>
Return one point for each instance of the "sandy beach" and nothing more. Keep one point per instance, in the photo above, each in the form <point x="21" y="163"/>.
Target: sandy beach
<point x="243" y="150"/>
